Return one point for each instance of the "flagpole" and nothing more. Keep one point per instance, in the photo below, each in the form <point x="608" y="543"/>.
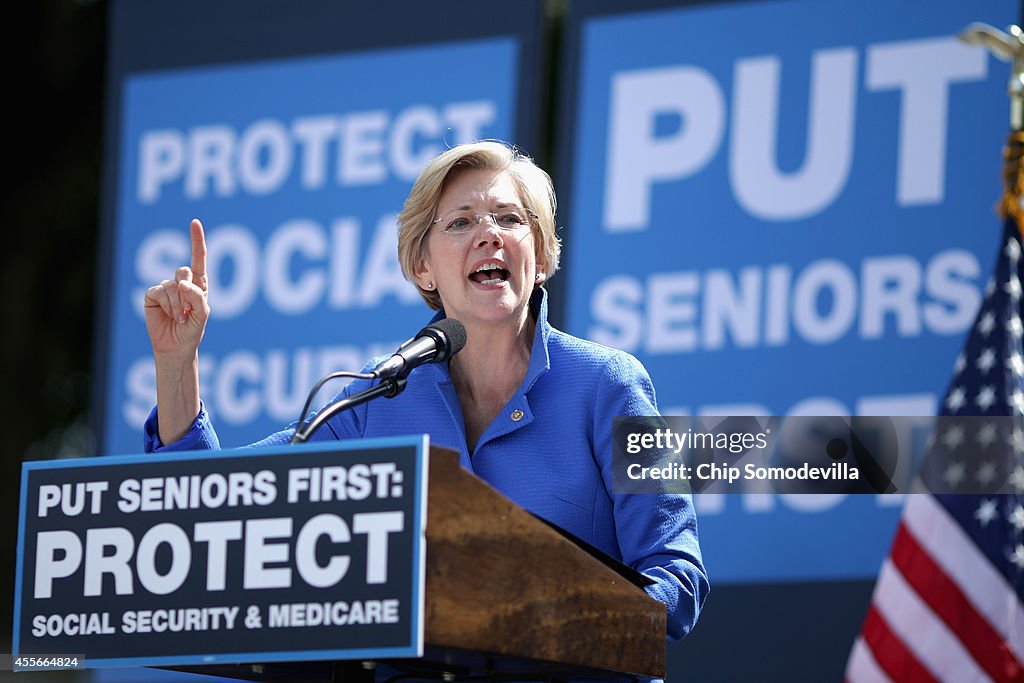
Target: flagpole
<point x="1008" y="46"/>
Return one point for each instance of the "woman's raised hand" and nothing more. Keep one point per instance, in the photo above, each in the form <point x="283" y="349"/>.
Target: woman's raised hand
<point x="177" y="310"/>
<point x="176" y="315"/>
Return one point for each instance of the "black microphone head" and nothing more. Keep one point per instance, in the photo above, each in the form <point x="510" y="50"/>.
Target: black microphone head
<point x="451" y="335"/>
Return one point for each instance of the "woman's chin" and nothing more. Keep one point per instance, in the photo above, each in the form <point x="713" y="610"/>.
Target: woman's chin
<point x="499" y="310"/>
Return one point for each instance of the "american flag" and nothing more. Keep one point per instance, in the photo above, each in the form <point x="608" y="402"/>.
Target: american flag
<point x="949" y="601"/>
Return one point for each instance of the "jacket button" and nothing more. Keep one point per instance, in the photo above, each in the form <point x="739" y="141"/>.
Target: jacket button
<point x="517" y="415"/>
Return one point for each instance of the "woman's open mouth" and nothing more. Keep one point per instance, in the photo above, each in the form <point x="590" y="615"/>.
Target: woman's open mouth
<point x="489" y="274"/>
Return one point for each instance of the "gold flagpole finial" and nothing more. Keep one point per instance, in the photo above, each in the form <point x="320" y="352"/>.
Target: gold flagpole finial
<point x="1008" y="46"/>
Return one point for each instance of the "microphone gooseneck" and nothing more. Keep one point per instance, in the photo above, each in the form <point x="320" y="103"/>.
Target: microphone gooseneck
<point x="434" y="343"/>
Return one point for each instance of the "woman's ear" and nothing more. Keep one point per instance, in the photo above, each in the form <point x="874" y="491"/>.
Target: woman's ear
<point x="542" y="269"/>
<point x="423" y="276"/>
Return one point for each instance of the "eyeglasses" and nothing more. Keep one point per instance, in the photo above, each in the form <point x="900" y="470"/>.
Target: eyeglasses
<point x="507" y="218"/>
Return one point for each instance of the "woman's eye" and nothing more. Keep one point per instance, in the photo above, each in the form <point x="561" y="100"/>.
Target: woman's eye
<point x="458" y="224"/>
<point x="509" y="219"/>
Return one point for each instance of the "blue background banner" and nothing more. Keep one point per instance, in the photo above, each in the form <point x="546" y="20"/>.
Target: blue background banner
<point x="297" y="168"/>
<point x="785" y="208"/>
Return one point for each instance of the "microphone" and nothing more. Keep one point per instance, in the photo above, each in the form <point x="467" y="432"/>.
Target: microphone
<point x="433" y="344"/>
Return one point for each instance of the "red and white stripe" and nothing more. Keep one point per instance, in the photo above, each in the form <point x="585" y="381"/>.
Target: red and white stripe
<point x="863" y="666"/>
<point x="940" y="611"/>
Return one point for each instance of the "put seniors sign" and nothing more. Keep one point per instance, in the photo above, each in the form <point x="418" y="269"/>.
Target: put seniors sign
<point x="231" y="556"/>
<point x="783" y="209"/>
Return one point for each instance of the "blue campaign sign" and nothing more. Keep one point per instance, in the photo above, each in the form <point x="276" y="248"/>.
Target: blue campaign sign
<point x="210" y="557"/>
<point x="297" y="168"/>
<point x="786" y="208"/>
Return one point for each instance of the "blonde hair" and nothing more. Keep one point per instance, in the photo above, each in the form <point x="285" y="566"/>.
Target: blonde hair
<point x="417" y="216"/>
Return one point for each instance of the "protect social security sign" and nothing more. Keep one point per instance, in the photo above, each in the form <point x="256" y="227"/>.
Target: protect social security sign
<point x="297" y="168"/>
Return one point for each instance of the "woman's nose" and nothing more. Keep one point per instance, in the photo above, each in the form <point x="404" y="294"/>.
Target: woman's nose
<point x="489" y="232"/>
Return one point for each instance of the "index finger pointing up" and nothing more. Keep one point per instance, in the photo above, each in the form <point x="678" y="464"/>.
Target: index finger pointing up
<point x="198" y="253"/>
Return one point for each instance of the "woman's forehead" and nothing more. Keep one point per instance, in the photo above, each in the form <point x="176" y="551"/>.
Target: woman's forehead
<point x="468" y="188"/>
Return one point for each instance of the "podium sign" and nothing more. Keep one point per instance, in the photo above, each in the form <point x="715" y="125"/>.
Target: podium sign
<point x="248" y="555"/>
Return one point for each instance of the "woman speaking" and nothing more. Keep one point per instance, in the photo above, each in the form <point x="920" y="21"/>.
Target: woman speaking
<point x="528" y="407"/>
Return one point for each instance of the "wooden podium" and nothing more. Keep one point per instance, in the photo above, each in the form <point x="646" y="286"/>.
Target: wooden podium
<point x="508" y="597"/>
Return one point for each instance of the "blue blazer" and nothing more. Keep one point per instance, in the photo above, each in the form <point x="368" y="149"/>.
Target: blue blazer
<point x="549" y="450"/>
